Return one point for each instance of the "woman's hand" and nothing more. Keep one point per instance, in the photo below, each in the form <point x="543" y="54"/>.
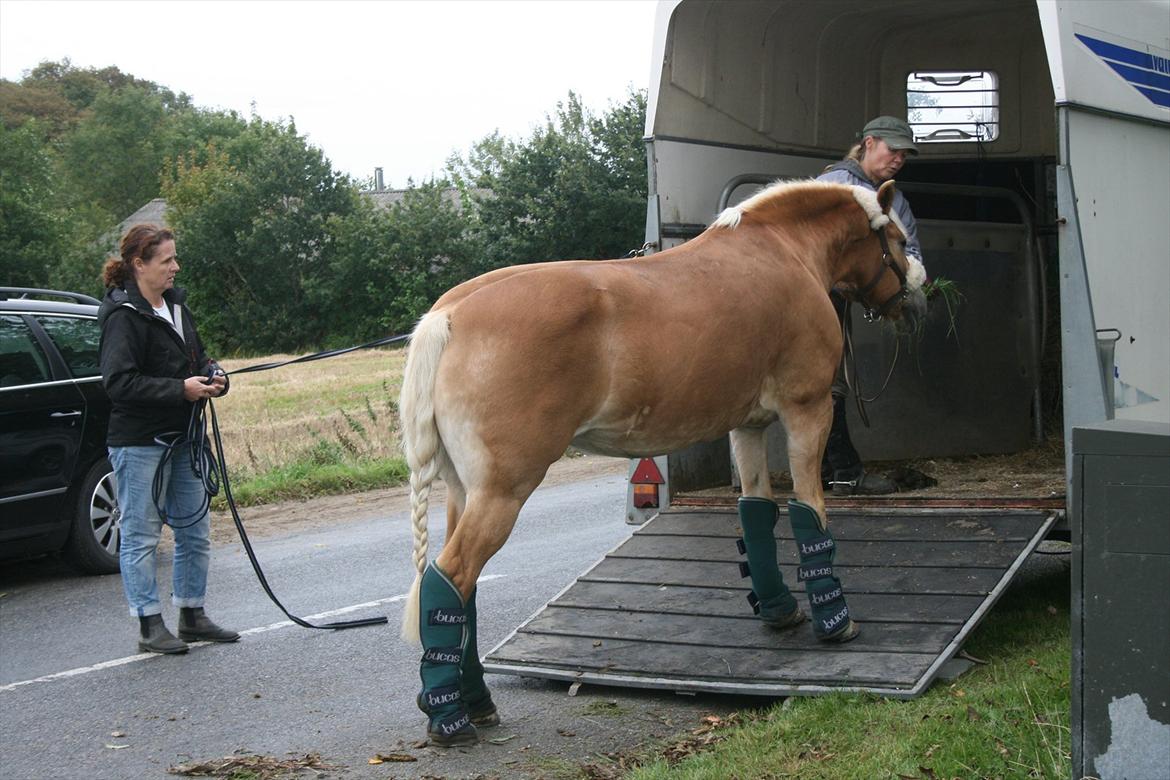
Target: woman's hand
<point x="196" y="388"/>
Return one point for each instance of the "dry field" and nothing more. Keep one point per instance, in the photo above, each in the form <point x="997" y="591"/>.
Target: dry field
<point x="338" y="407"/>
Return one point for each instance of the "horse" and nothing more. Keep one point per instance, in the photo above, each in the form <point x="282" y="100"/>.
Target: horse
<point x="634" y="358"/>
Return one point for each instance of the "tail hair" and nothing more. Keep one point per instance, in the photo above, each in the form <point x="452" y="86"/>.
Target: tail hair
<point x="421" y="442"/>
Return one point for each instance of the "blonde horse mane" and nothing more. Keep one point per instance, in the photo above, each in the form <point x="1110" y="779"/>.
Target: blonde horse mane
<point x="774" y="194"/>
<point x="421" y="442"/>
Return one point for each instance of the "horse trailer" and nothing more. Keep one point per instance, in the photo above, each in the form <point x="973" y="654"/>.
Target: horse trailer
<point x="1042" y="189"/>
<point x="1044" y="130"/>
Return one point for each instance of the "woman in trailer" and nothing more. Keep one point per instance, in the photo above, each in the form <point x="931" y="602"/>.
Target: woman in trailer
<point x="886" y="142"/>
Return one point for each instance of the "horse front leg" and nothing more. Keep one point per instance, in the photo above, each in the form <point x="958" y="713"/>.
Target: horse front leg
<point x="769" y="597"/>
<point x="808" y="425"/>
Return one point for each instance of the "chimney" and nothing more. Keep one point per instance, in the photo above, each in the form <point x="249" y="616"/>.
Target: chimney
<point x="378" y="185"/>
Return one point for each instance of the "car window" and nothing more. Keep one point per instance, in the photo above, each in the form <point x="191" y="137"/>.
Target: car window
<point x="78" y="339"/>
<point x="21" y="360"/>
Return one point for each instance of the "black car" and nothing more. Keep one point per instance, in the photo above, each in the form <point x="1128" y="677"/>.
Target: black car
<point x="57" y="489"/>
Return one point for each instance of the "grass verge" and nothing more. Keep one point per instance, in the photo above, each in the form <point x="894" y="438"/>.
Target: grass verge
<point x="1008" y="718"/>
<point x="308" y="479"/>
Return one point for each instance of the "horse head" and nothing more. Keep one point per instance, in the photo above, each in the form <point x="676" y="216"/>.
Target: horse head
<point x="883" y="278"/>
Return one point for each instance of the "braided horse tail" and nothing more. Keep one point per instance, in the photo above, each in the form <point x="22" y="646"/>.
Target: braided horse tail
<point x="421" y="442"/>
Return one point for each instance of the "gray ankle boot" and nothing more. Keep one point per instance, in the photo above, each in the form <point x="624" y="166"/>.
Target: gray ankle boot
<point x="194" y="626"/>
<point x="156" y="638"/>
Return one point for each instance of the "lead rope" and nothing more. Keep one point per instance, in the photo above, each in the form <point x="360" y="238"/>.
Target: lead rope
<point x="211" y="470"/>
<point x="852" y="378"/>
<point x="227" y="493"/>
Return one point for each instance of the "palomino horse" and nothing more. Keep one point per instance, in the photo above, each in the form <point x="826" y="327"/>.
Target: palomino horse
<point x="635" y="358"/>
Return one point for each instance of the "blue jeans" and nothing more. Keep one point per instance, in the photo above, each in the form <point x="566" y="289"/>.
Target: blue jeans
<point x="141" y="525"/>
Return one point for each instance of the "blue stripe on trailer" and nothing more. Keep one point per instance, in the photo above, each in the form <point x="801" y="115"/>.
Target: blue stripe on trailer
<point x="1149" y="74"/>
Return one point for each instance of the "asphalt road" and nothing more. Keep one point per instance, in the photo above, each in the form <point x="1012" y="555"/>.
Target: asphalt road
<point x="78" y="701"/>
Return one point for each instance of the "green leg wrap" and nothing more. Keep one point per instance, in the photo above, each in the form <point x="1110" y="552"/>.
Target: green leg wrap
<point x="770" y="597"/>
<point x="826" y="599"/>
<point x="442" y="623"/>
<point x="476" y="696"/>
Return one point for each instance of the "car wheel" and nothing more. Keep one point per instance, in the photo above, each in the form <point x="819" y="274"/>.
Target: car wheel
<point x="97" y="523"/>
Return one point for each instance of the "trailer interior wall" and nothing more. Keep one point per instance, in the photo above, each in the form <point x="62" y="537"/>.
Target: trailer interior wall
<point x="799" y="75"/>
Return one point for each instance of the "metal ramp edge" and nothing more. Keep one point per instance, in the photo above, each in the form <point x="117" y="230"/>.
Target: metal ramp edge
<point x="666" y="608"/>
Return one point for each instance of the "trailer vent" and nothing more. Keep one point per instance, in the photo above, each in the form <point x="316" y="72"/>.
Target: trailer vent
<point x="953" y="106"/>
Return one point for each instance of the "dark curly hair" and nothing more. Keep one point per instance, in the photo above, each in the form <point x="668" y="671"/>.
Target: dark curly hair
<point x="139" y="241"/>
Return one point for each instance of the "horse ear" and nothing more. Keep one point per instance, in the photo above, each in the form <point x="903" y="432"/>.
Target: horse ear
<point x="885" y="196"/>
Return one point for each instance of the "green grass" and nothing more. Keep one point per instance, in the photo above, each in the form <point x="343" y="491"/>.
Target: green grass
<point x="309" y="478"/>
<point x="948" y="292"/>
<point x="1006" y="719"/>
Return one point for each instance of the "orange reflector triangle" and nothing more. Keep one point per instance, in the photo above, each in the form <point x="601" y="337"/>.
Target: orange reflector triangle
<point x="647" y="473"/>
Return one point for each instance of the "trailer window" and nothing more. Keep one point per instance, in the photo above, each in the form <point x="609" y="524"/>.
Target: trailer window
<point x="953" y="106"/>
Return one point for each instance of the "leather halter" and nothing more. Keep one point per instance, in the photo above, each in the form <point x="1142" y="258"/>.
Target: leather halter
<point x="872" y="313"/>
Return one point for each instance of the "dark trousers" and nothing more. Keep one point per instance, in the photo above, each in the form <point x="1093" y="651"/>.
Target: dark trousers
<point x="841" y="460"/>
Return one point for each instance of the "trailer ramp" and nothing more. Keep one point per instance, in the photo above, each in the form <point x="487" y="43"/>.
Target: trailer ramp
<point x="668" y="610"/>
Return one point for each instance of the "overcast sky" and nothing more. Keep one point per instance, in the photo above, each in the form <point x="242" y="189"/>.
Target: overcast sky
<point x="391" y="83"/>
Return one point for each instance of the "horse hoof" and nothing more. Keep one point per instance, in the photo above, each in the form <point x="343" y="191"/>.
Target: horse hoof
<point x="458" y="739"/>
<point x="485" y="718"/>
<point x="793" y="618"/>
<point x="846" y="634"/>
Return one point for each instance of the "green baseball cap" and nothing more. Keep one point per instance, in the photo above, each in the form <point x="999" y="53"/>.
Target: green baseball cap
<point x="895" y="132"/>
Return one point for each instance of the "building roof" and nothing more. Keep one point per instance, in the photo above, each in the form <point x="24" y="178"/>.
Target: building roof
<point x="385" y="198"/>
<point x="154" y="212"/>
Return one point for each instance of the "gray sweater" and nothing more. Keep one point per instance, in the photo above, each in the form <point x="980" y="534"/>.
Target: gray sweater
<point x="849" y="172"/>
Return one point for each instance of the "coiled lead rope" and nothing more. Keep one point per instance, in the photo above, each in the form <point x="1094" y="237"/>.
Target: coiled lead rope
<point x="211" y="470"/>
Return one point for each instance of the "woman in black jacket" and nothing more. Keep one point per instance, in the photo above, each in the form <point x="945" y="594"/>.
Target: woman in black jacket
<point x="154" y="369"/>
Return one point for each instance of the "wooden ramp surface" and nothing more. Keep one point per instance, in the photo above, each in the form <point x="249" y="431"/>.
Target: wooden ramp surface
<point x="667" y="608"/>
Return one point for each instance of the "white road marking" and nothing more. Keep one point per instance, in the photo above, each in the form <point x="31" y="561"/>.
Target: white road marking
<point x="257" y="630"/>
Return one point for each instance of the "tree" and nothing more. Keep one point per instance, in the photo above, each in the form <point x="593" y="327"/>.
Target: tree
<point x="58" y="95"/>
<point x="82" y="86"/>
<point x="32" y="233"/>
<point x="253" y="223"/>
<point x="101" y="138"/>
<point x="390" y="265"/>
<point x="575" y="189"/>
<point x="115" y="155"/>
<point x="50" y="110"/>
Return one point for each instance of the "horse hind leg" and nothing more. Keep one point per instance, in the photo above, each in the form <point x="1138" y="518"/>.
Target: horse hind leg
<point x="749" y="446"/>
<point x="443" y="631"/>
<point x="770" y="597"/>
<point x="456" y="501"/>
<point x="475" y="695"/>
<point x="454" y="696"/>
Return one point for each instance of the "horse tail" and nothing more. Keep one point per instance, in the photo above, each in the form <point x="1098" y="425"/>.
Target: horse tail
<point x="421" y="442"/>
